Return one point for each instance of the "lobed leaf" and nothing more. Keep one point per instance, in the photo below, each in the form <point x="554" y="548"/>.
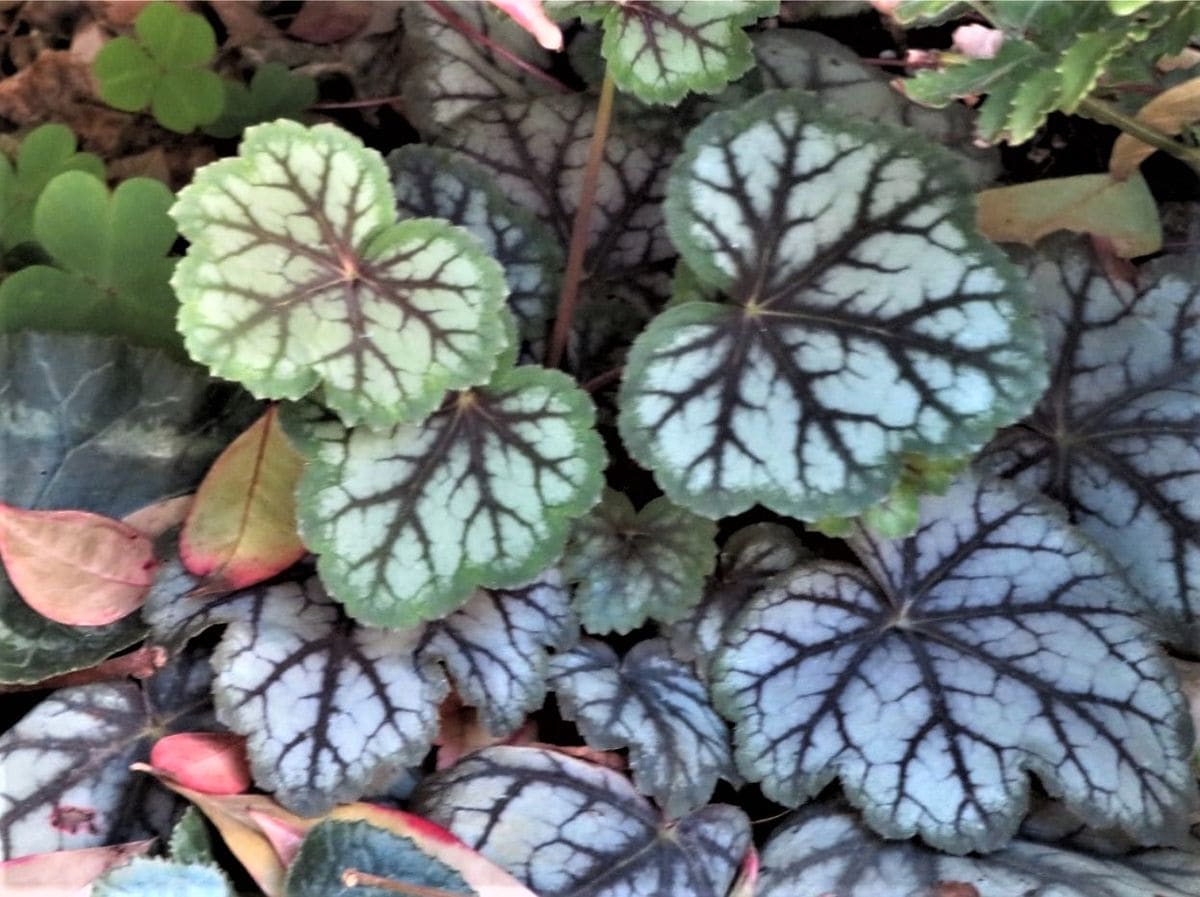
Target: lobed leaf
<point x="274" y="92"/>
<point x="144" y="876"/>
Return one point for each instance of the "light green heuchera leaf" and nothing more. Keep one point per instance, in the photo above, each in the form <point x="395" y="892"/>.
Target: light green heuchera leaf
<point x="333" y="846"/>
<point x="408" y="521"/>
<point x="114" y="274"/>
<point x="661" y="51"/>
<point x="653" y="705"/>
<point x="632" y="566"/>
<point x="298" y="275"/>
<point x="865" y="318"/>
<point x="995" y="642"/>
<point x="45" y="152"/>
<point x="144" y="877"/>
<point x="825" y="849"/>
<point x="190" y="842"/>
<point x="1116" y="438"/>
<point x="595" y="834"/>
<point x="437" y="183"/>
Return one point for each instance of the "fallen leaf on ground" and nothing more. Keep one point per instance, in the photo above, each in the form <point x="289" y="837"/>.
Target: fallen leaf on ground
<point x="65" y="873"/>
<point x="1170" y="112"/>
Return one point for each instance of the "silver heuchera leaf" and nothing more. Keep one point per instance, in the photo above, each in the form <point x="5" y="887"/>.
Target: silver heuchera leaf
<point x="992" y="643"/>
<point x="824" y="849"/>
<point x="142" y="877"/>
<point x="866" y="318"/>
<point x="655" y="706"/>
<point x="1116" y="438"/>
<point x="567" y="828"/>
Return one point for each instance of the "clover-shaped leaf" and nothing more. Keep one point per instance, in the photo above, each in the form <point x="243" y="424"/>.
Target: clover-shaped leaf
<point x="637" y="565"/>
<point x="436" y="183"/>
<point x="566" y="827"/>
<point x="298" y="276"/>
<point x="654" y="705"/>
<point x="409" y="521"/>
<point x="274" y="92"/>
<point x="993" y="643"/>
<point x="824" y="849"/>
<point x="45" y="152"/>
<point x="660" y="51"/>
<point x="1116" y="438"/>
<point x="142" y="877"/>
<point x="113" y="275"/>
<point x="865" y="318"/>
<point x="165" y="67"/>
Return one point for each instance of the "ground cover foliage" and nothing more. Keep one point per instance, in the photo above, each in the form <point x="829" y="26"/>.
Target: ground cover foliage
<point x="646" y="449"/>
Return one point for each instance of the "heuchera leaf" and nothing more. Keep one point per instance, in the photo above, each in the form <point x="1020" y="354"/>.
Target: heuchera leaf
<point x="661" y="51"/>
<point x="825" y="849"/>
<point x="144" y="876"/>
<point x="594" y="833"/>
<point x="1116" y="438"/>
<point x="241" y="528"/>
<point x="113" y="271"/>
<point x="74" y="567"/>
<point x="865" y="318"/>
<point x="212" y="762"/>
<point x="65" y="873"/>
<point x="298" y="276"/>
<point x="632" y="566"/>
<point x="190" y="842"/>
<point x="655" y="706"/>
<point x="408" y="521"/>
<point x="993" y="643"/>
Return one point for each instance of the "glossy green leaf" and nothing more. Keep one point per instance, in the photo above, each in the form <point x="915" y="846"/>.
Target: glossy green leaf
<point x="45" y="151"/>
<point x="865" y="319"/>
<point x="655" y="706"/>
<point x="274" y="92"/>
<point x="298" y="276"/>
<point x="408" y="521"/>
<point x="113" y="274"/>
<point x="143" y="877"/>
<point x="632" y="566"/>
<point x="994" y="643"/>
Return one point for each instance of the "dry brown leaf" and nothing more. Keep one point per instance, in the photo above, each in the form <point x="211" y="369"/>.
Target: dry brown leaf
<point x="1170" y="112"/>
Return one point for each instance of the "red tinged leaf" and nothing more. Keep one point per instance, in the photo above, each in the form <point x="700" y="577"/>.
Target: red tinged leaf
<point x="208" y="762"/>
<point x="65" y="873"/>
<point x="242" y="525"/>
<point x="75" y="567"/>
<point x="155" y="519"/>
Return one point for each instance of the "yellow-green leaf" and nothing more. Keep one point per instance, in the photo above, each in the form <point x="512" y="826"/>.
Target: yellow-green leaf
<point x="1170" y="112"/>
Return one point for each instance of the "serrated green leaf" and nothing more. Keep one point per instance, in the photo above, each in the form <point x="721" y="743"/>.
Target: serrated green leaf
<point x="866" y="319"/>
<point x="143" y="877"/>
<point x="994" y="642"/>
<point x="298" y="276"/>
<point x="653" y="705"/>
<point x="46" y="151"/>
<point x="633" y="566"/>
<point x="931" y="11"/>
<point x="594" y="833"/>
<point x="190" y="842"/>
<point x="274" y="92"/>
<point x="407" y="522"/>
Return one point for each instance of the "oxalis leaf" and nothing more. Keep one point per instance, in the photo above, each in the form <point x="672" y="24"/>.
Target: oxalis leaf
<point x="824" y="849"/>
<point x="865" y="319"/>
<point x="631" y="566"/>
<point x="298" y="275"/>
<point x="409" y="520"/>
<point x="1117" y="436"/>
<point x="993" y="643"/>
<point x="566" y="827"/>
<point x="655" y="706"/>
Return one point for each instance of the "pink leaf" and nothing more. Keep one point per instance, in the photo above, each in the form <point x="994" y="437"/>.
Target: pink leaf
<point x="64" y="873"/>
<point x="530" y="16"/>
<point x="209" y="762"/>
<point x="978" y="41"/>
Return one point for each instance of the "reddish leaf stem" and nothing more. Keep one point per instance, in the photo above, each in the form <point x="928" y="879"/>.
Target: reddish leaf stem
<point x="581" y="228"/>
<point x="365" y="103"/>
<point x="602" y="380"/>
<point x="354" y="878"/>
<point x="140" y="664"/>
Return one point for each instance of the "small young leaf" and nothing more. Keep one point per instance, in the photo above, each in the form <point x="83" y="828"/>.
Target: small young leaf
<point x="594" y="833"/>
<point x="994" y="642"/>
<point x="655" y="706"/>
<point x="241" y="528"/>
<point x="210" y="762"/>
<point x="407" y="522"/>
<point x="274" y="92"/>
<point x="298" y="275"/>
<point x="632" y="566"/>
<point x="144" y="877"/>
<point x="73" y="567"/>
<point x="190" y="842"/>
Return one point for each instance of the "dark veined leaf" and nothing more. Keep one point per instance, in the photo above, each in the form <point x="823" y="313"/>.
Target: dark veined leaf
<point x="994" y="643"/>
<point x="865" y="318"/>
<point x="749" y="558"/>
<point x="1116" y="438"/>
<point x="566" y="827"/>
<point x="96" y="425"/>
<point x="436" y="183"/>
<point x="190" y="842"/>
<point x="333" y="849"/>
<point x="298" y="275"/>
<point x="66" y="780"/>
<point x="661" y="51"/>
<point x="410" y="520"/>
<point x="654" y="705"/>
<point x="632" y="566"/>
<point x="824" y="849"/>
<point x="143" y="877"/>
